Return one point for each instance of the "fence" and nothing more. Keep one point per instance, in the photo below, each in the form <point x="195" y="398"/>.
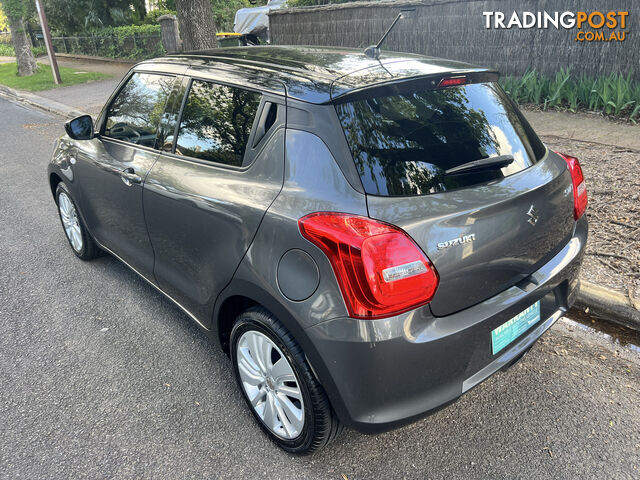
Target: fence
<point x="456" y="29"/>
<point x="135" y="47"/>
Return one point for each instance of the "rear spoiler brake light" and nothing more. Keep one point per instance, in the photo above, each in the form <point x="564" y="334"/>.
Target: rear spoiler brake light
<point x="452" y="81"/>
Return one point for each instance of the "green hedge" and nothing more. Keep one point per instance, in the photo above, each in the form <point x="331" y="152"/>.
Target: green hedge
<point x="127" y="30"/>
<point x="134" y="42"/>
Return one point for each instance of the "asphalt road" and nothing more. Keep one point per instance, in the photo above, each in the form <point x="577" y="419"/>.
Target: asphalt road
<point x="101" y="377"/>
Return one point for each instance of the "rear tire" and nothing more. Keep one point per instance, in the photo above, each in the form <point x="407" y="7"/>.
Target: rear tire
<point x="259" y="346"/>
<point x="77" y="235"/>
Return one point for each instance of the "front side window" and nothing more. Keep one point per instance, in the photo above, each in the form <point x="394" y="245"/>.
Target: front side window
<point x="216" y="123"/>
<point x="134" y="115"/>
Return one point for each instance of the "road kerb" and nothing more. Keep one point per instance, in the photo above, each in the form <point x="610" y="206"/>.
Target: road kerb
<point x="609" y="304"/>
<point x="39" y="102"/>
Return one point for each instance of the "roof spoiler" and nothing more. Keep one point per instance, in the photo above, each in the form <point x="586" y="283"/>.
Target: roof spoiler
<point x="413" y="84"/>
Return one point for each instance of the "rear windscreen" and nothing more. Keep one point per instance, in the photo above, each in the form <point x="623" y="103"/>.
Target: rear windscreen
<point x="402" y="144"/>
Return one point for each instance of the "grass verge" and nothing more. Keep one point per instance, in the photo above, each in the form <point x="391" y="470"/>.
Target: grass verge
<point x="43" y="80"/>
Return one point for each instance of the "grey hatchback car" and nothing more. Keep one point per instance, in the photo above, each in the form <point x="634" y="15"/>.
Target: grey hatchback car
<point x="367" y="239"/>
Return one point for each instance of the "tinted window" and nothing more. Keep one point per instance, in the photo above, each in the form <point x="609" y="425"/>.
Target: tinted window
<point x="402" y="144"/>
<point x="216" y="122"/>
<point x="134" y="115"/>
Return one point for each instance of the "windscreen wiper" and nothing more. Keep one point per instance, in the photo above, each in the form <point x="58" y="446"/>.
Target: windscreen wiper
<point x="489" y="162"/>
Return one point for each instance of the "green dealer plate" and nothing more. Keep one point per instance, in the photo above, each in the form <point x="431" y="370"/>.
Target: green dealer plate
<point x="509" y="331"/>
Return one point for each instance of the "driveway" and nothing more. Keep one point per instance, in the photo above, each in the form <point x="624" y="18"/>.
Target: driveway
<point x="104" y="378"/>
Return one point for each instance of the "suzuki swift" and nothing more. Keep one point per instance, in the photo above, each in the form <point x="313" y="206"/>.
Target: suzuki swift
<point x="367" y="238"/>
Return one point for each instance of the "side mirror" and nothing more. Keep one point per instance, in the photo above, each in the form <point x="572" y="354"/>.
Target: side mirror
<point x="80" y="128"/>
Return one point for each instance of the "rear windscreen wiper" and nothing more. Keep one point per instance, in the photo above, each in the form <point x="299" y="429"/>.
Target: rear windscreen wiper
<point x="489" y="162"/>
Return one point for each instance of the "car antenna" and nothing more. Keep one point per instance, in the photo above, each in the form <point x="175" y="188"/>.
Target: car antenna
<point x="373" y="51"/>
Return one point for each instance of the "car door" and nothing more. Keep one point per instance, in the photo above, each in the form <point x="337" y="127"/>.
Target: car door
<point x="111" y="168"/>
<point x="205" y="199"/>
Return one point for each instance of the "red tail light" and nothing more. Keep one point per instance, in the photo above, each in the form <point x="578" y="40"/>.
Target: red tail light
<point x="452" y="81"/>
<point x="579" y="187"/>
<point x="380" y="269"/>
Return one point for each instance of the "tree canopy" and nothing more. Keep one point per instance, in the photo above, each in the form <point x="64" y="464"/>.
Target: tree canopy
<point x="17" y="9"/>
<point x="4" y="22"/>
<point x="72" y="17"/>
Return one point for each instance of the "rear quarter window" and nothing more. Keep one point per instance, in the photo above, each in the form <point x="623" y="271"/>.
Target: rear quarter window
<point x="402" y="144"/>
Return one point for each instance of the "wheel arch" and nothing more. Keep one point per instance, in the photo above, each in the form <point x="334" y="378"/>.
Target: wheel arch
<point x="229" y="310"/>
<point x="241" y="294"/>
<point x="54" y="180"/>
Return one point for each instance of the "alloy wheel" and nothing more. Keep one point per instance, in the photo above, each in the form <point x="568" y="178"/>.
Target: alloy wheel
<point x="270" y="384"/>
<point x="70" y="221"/>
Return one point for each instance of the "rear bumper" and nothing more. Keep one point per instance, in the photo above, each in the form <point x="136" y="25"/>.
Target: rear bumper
<point x="385" y="373"/>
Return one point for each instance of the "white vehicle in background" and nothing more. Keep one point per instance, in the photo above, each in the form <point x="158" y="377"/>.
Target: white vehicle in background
<point x="253" y="23"/>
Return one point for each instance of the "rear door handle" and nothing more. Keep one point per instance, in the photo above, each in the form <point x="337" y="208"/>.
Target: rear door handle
<point x="129" y="176"/>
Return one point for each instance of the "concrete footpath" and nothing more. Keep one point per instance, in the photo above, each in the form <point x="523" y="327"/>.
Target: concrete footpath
<point x="87" y="97"/>
<point x="584" y="127"/>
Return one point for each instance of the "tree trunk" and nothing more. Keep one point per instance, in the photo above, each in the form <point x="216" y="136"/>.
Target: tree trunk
<point x="26" y="62"/>
<point x="196" y="24"/>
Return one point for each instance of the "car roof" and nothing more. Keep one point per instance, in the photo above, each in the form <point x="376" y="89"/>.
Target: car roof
<point x="316" y="74"/>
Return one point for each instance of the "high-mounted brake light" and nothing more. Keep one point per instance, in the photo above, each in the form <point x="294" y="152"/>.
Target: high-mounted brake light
<point x="380" y="269"/>
<point x="579" y="187"/>
<point x="452" y="81"/>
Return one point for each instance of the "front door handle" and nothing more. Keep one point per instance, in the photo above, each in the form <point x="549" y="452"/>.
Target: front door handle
<point x="129" y="176"/>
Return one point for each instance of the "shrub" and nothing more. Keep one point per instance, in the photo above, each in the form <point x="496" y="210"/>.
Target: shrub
<point x="152" y="16"/>
<point x="614" y="94"/>
<point x="6" y="50"/>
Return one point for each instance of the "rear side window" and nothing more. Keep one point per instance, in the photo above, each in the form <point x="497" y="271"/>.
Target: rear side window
<point x="135" y="112"/>
<point x="216" y="123"/>
<point x="402" y="144"/>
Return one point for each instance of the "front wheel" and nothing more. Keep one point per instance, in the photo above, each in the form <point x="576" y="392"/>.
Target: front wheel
<point x="79" y="239"/>
<point x="278" y="384"/>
